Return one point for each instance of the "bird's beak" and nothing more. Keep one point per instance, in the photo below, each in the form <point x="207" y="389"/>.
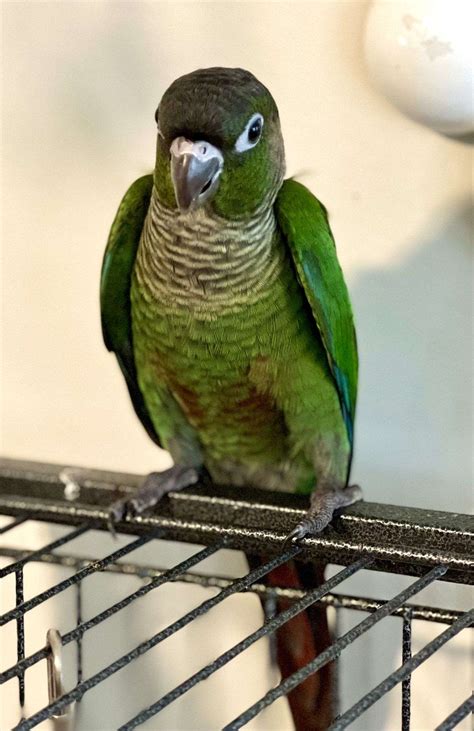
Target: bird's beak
<point x="195" y="171"/>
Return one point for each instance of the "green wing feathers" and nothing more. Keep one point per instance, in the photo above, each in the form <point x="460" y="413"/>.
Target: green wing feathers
<point x="115" y="282"/>
<point x="118" y="262"/>
<point x="304" y="223"/>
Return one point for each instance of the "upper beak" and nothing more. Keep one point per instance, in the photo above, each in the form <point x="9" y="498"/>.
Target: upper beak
<point x="195" y="171"/>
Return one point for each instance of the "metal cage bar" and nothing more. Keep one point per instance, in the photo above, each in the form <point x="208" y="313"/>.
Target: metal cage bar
<point x="406" y="683"/>
<point x="401" y="540"/>
<point x="79" y="690"/>
<point x="426" y="544"/>
<point x="336" y="648"/>
<point x="404" y="671"/>
<point x="20" y="632"/>
<point x="21" y="609"/>
<point x="12" y="524"/>
<point x="33" y="555"/>
<point x="80" y="630"/>
<point x="461" y="712"/>
<point x="271" y="593"/>
<point x="268" y="628"/>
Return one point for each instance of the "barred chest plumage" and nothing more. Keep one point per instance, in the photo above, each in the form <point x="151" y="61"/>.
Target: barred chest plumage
<point x="206" y="292"/>
<point x="205" y="264"/>
<point x="208" y="297"/>
<point x="216" y="314"/>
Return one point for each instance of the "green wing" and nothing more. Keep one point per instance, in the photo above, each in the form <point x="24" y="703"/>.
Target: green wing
<point x="115" y="282"/>
<point x="304" y="223"/>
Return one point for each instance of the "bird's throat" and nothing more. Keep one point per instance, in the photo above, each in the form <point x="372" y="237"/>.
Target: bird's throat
<point x="199" y="260"/>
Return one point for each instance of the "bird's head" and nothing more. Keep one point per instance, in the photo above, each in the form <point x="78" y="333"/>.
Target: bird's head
<point x="219" y="143"/>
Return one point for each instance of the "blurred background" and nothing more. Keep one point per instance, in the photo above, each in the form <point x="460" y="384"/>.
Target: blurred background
<point x="81" y="82"/>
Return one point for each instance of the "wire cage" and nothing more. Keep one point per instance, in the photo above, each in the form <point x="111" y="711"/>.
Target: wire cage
<point x="429" y="546"/>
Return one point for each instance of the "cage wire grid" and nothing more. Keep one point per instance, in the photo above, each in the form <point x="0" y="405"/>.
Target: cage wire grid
<point x="428" y="545"/>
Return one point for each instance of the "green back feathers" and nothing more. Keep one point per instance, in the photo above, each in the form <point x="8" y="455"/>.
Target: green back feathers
<point x="115" y="282"/>
<point x="303" y="221"/>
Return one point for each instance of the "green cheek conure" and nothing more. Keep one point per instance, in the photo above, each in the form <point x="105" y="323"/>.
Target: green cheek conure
<point x="225" y="305"/>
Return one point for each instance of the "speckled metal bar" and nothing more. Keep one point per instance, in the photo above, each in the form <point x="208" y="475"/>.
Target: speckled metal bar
<point x="334" y="650"/>
<point x="271" y="593"/>
<point x="454" y="718"/>
<point x="402" y="672"/>
<point x="406" y="682"/>
<point x="400" y="539"/>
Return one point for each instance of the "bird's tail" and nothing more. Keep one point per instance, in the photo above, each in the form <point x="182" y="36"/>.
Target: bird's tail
<point x="299" y="641"/>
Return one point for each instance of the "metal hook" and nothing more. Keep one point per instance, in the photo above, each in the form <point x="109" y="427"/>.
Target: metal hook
<point x="55" y="669"/>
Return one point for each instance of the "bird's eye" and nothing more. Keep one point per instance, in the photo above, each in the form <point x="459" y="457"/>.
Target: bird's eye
<point x="255" y="131"/>
<point x="251" y="134"/>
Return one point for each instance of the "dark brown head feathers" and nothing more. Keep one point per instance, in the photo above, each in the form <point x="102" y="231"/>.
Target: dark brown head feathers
<point x="209" y="104"/>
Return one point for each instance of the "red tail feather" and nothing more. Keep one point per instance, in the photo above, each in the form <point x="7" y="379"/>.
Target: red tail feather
<point x="298" y="642"/>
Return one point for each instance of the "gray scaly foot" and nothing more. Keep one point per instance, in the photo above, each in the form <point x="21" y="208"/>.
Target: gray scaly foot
<point x="324" y="503"/>
<point x="155" y="486"/>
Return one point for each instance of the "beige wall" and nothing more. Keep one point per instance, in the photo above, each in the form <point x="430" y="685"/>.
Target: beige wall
<point x="81" y="84"/>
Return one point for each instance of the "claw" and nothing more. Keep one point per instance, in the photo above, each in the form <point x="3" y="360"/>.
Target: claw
<point x="326" y="504"/>
<point x="111" y="524"/>
<point x="299" y="532"/>
<point x="117" y="512"/>
<point x="155" y="486"/>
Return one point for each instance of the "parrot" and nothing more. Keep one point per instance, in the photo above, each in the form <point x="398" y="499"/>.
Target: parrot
<point x="225" y="305"/>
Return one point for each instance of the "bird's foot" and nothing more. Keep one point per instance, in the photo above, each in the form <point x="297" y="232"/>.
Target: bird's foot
<point x="155" y="486"/>
<point x="325" y="501"/>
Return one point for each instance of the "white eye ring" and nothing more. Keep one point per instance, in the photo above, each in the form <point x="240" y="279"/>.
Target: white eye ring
<point x="243" y="143"/>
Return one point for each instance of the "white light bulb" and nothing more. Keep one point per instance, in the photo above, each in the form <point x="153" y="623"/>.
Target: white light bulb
<point x="419" y="54"/>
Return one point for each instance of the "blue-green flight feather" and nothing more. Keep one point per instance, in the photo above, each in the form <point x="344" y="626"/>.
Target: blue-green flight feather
<point x="115" y="282"/>
<point x="304" y="223"/>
